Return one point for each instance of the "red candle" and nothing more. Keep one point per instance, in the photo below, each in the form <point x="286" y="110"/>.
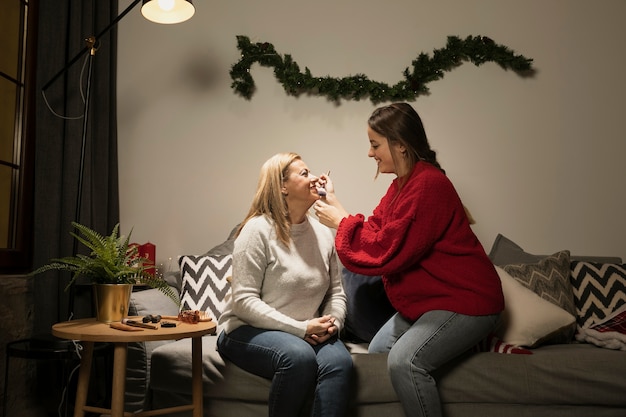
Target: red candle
<point x="148" y="251"/>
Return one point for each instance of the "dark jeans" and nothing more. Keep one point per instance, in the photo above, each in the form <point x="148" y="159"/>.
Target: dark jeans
<point x="297" y="369"/>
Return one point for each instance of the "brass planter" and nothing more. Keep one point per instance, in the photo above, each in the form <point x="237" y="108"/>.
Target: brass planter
<point x="112" y="301"/>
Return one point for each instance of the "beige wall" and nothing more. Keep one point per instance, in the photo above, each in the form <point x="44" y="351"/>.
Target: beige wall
<point x="539" y="160"/>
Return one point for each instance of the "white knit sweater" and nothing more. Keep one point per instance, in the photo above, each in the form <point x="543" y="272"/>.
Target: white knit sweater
<point x="280" y="288"/>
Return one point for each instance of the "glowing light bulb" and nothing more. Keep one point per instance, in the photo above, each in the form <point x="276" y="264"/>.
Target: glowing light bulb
<point x="166" y="5"/>
<point x="167" y="11"/>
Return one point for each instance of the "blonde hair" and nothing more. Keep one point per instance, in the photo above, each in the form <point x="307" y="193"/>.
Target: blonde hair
<point x="269" y="199"/>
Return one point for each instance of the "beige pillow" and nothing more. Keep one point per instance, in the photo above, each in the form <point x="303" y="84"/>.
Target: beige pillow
<point x="528" y="319"/>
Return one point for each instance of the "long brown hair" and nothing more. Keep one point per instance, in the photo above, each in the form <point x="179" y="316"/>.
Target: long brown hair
<point x="401" y="125"/>
<point x="269" y="199"/>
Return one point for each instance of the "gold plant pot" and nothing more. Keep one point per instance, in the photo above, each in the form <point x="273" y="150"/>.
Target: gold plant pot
<point x="112" y="301"/>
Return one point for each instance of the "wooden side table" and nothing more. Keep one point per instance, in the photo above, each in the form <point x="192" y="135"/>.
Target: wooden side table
<point x="90" y="331"/>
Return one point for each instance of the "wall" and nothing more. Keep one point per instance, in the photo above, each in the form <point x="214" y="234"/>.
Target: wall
<point x="539" y="160"/>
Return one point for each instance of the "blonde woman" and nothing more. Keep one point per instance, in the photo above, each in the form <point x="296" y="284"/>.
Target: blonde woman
<point x="288" y="305"/>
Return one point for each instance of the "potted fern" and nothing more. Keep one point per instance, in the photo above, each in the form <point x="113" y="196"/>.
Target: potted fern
<point x="113" y="266"/>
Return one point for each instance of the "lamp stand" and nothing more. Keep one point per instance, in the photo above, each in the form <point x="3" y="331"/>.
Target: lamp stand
<point x="91" y="41"/>
<point x="91" y="48"/>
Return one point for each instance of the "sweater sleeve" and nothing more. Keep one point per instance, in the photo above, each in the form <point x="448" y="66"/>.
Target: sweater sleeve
<point x="403" y="228"/>
<point x="249" y="262"/>
<point x="335" y="301"/>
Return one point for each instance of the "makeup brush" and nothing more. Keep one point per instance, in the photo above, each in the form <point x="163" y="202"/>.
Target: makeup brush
<point x="321" y="191"/>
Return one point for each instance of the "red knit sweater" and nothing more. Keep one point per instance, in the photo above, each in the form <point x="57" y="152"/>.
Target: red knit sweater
<point x="420" y="241"/>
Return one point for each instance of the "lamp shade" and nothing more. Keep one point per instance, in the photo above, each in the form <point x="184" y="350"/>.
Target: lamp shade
<point x="167" y="11"/>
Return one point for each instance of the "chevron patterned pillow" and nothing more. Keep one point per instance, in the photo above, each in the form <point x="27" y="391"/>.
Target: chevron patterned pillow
<point x="529" y="320"/>
<point x="599" y="290"/>
<point x="205" y="284"/>
<point x="548" y="278"/>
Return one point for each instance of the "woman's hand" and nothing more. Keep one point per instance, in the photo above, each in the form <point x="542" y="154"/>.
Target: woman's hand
<point x="320" y="329"/>
<point x="325" y="182"/>
<point x="328" y="209"/>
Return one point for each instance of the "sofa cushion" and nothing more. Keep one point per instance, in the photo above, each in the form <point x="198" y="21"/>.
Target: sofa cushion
<point x="224" y="248"/>
<point x="174" y="277"/>
<point x="504" y="252"/>
<point x="599" y="290"/>
<point x="368" y="307"/>
<point x="171" y="371"/>
<point x="558" y="375"/>
<point x="548" y="278"/>
<point x="529" y="320"/>
<point x="205" y="282"/>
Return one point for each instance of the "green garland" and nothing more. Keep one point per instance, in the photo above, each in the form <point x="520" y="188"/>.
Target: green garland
<point x="476" y="49"/>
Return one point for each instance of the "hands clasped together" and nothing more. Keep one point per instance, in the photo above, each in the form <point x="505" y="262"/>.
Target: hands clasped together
<point x="320" y="329"/>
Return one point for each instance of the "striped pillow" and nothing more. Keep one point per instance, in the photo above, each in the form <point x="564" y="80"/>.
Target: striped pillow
<point x="205" y="282"/>
<point x="599" y="290"/>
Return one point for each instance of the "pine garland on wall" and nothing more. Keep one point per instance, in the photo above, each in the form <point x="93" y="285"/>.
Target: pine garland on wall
<point x="425" y="69"/>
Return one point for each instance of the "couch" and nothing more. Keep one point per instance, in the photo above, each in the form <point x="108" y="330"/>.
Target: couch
<point x="543" y="360"/>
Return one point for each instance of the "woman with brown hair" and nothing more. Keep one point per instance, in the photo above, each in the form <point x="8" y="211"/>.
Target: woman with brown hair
<point x="436" y="274"/>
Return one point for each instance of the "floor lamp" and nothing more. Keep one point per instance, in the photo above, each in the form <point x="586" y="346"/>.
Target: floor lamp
<point x="46" y="347"/>
<point x="158" y="11"/>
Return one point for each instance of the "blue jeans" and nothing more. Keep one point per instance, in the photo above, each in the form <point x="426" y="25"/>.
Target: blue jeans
<point x="416" y="349"/>
<point x="298" y="370"/>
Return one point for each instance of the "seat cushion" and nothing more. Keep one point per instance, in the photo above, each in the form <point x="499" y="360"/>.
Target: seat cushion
<point x="564" y="374"/>
<point x="567" y="374"/>
<point x="171" y="371"/>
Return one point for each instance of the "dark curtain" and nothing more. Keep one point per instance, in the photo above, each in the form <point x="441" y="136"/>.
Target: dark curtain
<point x="63" y="27"/>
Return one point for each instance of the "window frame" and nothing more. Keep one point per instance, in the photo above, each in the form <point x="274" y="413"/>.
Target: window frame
<point x="17" y="255"/>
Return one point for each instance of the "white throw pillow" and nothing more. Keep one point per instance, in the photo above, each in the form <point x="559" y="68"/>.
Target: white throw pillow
<point x="528" y="319"/>
<point x="205" y="282"/>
